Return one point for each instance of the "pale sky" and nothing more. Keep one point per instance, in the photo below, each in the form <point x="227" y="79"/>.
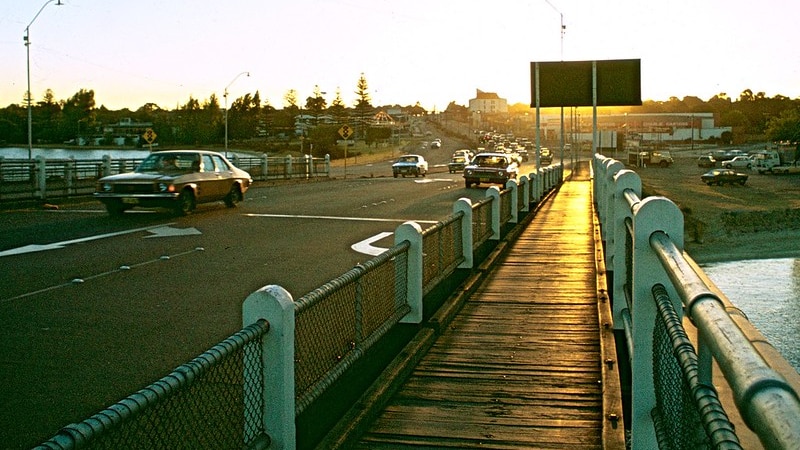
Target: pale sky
<point x="432" y="51"/>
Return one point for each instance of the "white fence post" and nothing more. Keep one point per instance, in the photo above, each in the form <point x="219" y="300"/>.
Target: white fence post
<point x="276" y="362"/>
<point x="412" y="232"/>
<point x="41" y="177"/>
<point x="650" y="215"/>
<point x="494" y="192"/>
<point x="525" y="182"/>
<point x="620" y="212"/>
<point x="264" y="166"/>
<point x="512" y="184"/>
<point x="465" y="205"/>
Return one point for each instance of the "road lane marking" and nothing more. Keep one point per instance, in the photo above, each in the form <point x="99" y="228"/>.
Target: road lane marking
<point x="56" y="245"/>
<point x="120" y="269"/>
<point x="354" y="219"/>
<point x="366" y="246"/>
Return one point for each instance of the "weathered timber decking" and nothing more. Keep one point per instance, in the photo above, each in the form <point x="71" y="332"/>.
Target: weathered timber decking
<point x="520" y="365"/>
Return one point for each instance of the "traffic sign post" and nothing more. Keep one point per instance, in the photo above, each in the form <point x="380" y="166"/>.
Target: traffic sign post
<point x="345" y="132"/>
<point x="150" y="136"/>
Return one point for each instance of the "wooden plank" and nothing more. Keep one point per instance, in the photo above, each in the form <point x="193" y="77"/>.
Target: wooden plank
<point x="520" y="365"/>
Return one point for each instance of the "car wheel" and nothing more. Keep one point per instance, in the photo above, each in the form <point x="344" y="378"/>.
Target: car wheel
<point x="395" y="174"/>
<point x="234" y="196"/>
<point x="186" y="203"/>
<point x="749" y="166"/>
<point x="467" y="184"/>
<point x="727" y="166"/>
<point x="664" y="164"/>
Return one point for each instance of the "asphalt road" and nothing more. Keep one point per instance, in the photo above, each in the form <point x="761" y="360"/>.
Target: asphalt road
<point x="94" y="307"/>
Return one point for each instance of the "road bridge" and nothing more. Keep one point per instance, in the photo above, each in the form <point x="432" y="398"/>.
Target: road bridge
<point x="520" y="356"/>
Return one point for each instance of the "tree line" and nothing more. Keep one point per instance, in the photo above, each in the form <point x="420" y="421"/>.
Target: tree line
<point x="203" y="123"/>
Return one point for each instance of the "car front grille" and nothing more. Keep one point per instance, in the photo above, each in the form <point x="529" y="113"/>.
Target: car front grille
<point x="137" y="188"/>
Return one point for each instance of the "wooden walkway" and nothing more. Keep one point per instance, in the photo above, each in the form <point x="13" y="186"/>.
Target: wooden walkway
<point x="520" y="364"/>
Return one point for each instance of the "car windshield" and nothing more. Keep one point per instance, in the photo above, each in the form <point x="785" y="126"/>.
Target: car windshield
<point x="490" y="161"/>
<point x="410" y="159"/>
<point x="170" y="162"/>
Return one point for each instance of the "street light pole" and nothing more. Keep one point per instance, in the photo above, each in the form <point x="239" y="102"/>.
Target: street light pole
<point x="225" y="94"/>
<point x="27" y="40"/>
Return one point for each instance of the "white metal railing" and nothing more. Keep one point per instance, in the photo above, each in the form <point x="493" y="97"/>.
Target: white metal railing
<point x="42" y="178"/>
<point x="643" y="241"/>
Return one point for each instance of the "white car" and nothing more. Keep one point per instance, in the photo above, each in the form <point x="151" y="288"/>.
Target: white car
<point x="739" y="162"/>
<point x="410" y="165"/>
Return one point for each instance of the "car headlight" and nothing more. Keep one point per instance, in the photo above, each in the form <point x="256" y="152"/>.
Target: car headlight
<point x="166" y="187"/>
<point x="107" y="187"/>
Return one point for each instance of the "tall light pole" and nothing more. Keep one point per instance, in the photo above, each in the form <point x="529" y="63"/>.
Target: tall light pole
<point x="562" y="28"/>
<point x="225" y="94"/>
<point x="27" y="40"/>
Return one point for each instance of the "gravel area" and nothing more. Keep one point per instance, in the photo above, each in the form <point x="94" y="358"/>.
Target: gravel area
<point x="724" y="223"/>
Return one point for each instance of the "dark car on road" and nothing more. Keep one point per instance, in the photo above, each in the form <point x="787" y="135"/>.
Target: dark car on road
<point x="457" y="164"/>
<point x="724" y="176"/>
<point x="176" y="179"/>
<point x="490" y="168"/>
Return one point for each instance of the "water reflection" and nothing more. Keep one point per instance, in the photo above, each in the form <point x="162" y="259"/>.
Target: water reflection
<point x="768" y="291"/>
<point x="61" y="153"/>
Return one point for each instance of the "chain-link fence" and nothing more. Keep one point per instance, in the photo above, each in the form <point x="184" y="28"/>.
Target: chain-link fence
<point x="199" y="405"/>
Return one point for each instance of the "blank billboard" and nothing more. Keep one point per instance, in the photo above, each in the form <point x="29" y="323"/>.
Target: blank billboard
<point x="569" y="83"/>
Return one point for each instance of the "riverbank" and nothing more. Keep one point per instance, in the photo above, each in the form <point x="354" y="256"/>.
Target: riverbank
<point x="739" y="246"/>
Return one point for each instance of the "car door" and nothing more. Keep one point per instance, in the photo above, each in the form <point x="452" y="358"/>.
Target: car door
<point x="208" y="180"/>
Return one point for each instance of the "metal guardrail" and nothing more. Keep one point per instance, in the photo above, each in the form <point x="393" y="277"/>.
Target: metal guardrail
<point x="311" y="342"/>
<point x="653" y="281"/>
<point x="43" y="178"/>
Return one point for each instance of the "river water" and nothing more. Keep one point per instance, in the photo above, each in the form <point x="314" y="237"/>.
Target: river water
<point x="768" y="292"/>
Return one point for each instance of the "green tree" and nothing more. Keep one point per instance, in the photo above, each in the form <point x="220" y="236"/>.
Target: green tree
<point x="785" y="127"/>
<point x="363" y="107"/>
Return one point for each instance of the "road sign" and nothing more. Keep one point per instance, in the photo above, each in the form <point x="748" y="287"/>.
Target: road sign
<point x="149" y="135"/>
<point x="345" y="132"/>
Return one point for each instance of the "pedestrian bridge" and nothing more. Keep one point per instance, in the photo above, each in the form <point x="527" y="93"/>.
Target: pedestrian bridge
<point x="559" y="312"/>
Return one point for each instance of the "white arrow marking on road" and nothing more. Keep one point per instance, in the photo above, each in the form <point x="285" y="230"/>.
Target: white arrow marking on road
<point x="167" y="231"/>
<point x="56" y="245"/>
<point x="366" y="246"/>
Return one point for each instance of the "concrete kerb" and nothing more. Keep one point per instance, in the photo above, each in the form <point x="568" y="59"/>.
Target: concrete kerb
<point x="356" y="421"/>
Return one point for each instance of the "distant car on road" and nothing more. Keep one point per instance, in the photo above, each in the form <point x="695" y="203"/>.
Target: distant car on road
<point x="738" y="162"/>
<point x="436" y="143"/>
<point x="490" y="168"/>
<point x="410" y="165"/>
<point x="465" y="152"/>
<point x="723" y="176"/>
<point x="176" y="179"/>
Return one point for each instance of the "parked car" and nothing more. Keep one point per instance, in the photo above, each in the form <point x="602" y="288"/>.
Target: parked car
<point x="410" y="165"/>
<point x="490" y="168"/>
<point x="706" y="161"/>
<point x="723" y="176"/>
<point x="457" y="164"/>
<point x="738" y="162"/>
<point x="178" y="180"/>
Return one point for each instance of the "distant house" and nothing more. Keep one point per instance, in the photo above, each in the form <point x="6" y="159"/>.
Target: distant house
<point x="487" y="103"/>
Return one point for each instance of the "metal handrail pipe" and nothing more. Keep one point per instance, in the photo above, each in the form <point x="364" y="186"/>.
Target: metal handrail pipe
<point x="767" y="403"/>
<point x="631" y="197"/>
